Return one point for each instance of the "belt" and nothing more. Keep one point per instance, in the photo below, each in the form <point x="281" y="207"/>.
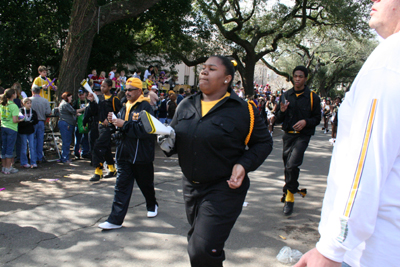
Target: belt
<point x="293" y="132"/>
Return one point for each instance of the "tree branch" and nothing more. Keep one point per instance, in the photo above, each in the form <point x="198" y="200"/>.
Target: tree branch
<point x="123" y="9"/>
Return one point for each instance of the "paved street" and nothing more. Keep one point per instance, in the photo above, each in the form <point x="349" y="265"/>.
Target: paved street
<point x="49" y="216"/>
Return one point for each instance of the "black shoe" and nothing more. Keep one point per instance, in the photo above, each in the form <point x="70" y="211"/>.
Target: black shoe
<point x="95" y="178"/>
<point x="110" y="174"/>
<point x="87" y="156"/>
<point x="288" y="208"/>
<point x="77" y="157"/>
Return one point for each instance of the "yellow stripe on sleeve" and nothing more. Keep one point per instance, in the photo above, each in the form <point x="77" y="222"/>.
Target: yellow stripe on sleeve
<point x="361" y="161"/>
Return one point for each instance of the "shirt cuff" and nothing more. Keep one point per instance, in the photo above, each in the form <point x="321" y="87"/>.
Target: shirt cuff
<point x="331" y="249"/>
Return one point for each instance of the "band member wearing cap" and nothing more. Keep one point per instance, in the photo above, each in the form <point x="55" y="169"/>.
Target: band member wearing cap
<point x="102" y="146"/>
<point x="135" y="156"/>
<point x="212" y="129"/>
<point x="299" y="114"/>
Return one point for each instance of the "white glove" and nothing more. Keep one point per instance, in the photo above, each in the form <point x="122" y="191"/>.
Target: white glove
<point x="166" y="142"/>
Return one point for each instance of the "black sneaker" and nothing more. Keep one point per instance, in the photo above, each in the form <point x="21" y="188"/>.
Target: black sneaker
<point x="95" y="178"/>
<point x="110" y="174"/>
<point x="86" y="156"/>
<point x="288" y="208"/>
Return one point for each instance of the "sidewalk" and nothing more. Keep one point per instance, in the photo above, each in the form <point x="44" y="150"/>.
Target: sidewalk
<point x="49" y="216"/>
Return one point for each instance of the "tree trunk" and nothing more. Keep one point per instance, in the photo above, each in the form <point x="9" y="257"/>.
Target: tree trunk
<point x="85" y="22"/>
<point x="248" y="75"/>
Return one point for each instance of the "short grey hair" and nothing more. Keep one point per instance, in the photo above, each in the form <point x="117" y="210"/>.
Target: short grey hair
<point x="35" y="89"/>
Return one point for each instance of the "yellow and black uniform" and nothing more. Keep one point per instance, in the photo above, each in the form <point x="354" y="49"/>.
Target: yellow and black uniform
<point x="102" y="146"/>
<point x="210" y="140"/>
<point x="135" y="156"/>
<point x="304" y="105"/>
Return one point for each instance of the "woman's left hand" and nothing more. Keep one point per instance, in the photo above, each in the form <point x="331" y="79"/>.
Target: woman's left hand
<point x="238" y="173"/>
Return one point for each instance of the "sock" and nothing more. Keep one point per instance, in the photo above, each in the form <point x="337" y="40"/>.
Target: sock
<point x="99" y="170"/>
<point x="289" y="197"/>
<point x="111" y="167"/>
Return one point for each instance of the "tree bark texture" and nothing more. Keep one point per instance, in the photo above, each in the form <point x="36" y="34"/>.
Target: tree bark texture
<point x="87" y="17"/>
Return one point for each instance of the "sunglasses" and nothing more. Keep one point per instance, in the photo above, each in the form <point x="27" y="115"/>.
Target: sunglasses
<point x="131" y="89"/>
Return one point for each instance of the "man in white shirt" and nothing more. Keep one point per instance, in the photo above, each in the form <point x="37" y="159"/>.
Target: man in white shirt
<point x="360" y="220"/>
<point x="111" y="75"/>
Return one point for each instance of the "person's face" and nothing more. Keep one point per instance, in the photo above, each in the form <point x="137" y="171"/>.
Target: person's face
<point x="299" y="79"/>
<point x="43" y="73"/>
<point x="385" y="17"/>
<point x="132" y="93"/>
<point x="337" y="101"/>
<point x="102" y="74"/>
<point x="105" y="88"/>
<point x="213" y="76"/>
<point x="94" y="72"/>
<point x="69" y="99"/>
<point x="28" y="105"/>
<point x="82" y="96"/>
<point x="122" y="73"/>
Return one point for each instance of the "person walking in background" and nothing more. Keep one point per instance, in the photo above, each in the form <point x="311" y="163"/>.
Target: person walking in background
<point x="42" y="108"/>
<point x="299" y="111"/>
<point x="9" y="112"/>
<point x="26" y="131"/>
<point x="360" y="219"/>
<point x="102" y="146"/>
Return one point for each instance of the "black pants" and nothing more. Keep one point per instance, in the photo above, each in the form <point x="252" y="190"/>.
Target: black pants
<point x="294" y="146"/>
<point x="212" y="210"/>
<point x="126" y="176"/>
<point x="93" y="135"/>
<point x="102" y="148"/>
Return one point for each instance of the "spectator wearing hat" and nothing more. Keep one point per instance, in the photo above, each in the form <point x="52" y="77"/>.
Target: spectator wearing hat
<point x="299" y="112"/>
<point x="154" y="98"/>
<point x="81" y="135"/>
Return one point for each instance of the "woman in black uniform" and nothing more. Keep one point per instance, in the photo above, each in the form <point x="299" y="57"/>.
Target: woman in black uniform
<point x="212" y="130"/>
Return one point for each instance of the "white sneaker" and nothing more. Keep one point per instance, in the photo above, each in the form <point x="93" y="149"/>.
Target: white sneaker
<point x="109" y="226"/>
<point x="152" y="214"/>
<point x="12" y="170"/>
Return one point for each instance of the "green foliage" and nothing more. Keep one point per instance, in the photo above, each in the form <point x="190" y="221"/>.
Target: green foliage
<point x="32" y="34"/>
<point x="333" y="57"/>
<point x="138" y="41"/>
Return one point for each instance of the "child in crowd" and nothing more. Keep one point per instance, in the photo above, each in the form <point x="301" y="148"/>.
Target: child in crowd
<point x="117" y="82"/>
<point x="44" y="83"/>
<point x="101" y="78"/>
<point x="28" y="118"/>
<point x="150" y="81"/>
<point x="122" y="80"/>
<point x="9" y="112"/>
<point x="111" y="75"/>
